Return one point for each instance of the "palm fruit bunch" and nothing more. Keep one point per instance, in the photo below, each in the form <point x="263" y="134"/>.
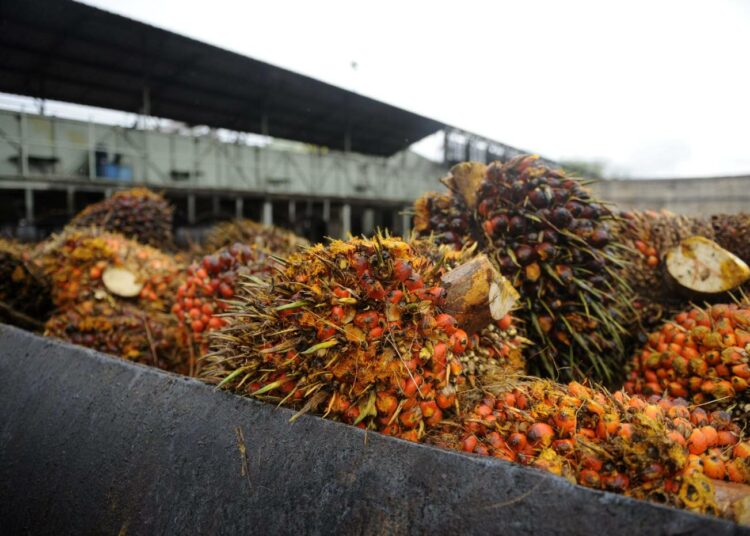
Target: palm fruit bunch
<point x="272" y="239"/>
<point x="702" y="355"/>
<point x="732" y="232"/>
<point x="445" y="218"/>
<point x="210" y="285"/>
<point x="24" y="294"/>
<point x="78" y="261"/>
<point x="588" y="436"/>
<point x="552" y="240"/>
<point x="139" y="214"/>
<point x="352" y="330"/>
<point x="647" y="237"/>
<point x="119" y="329"/>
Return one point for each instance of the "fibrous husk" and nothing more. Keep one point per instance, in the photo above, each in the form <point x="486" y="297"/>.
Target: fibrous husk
<point x="269" y="238"/>
<point x="703" y="268"/>
<point x="24" y="292"/>
<point x="121" y="282"/>
<point x="76" y="260"/>
<point x="139" y="214"/>
<point x="354" y="331"/>
<point x="121" y="330"/>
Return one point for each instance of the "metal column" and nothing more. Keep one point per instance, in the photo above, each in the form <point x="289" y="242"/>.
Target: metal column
<point x="24" y="163"/>
<point x="239" y="208"/>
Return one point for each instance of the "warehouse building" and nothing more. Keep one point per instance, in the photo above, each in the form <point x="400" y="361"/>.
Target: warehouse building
<point x="274" y="146"/>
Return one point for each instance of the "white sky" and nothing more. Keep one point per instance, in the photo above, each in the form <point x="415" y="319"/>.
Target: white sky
<point x="649" y="87"/>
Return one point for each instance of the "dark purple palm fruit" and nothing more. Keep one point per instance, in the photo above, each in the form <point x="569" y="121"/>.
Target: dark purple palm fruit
<point x="138" y="213"/>
<point x="445" y="217"/>
<point x="552" y="240"/>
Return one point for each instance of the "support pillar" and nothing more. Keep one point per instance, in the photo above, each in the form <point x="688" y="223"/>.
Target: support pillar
<point x="405" y="223"/>
<point x="368" y="221"/>
<point x="70" y="200"/>
<point x="267" y="218"/>
<point x="346" y="220"/>
<point x="239" y="208"/>
<point x="29" y="203"/>
<point x="191" y="209"/>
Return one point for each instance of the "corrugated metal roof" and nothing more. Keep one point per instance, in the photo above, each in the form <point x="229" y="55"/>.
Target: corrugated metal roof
<point x="72" y="52"/>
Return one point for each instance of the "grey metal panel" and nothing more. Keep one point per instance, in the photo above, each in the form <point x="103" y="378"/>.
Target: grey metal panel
<point x="91" y="444"/>
<point x="155" y="157"/>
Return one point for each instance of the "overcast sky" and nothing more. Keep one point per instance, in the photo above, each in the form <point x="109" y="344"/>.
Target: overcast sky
<point x="649" y="87"/>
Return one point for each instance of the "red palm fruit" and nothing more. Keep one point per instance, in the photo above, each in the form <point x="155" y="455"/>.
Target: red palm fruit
<point x="541" y="434"/>
<point x="447" y="323"/>
<point x="446" y="397"/>
<point x="459" y="341"/>
<point x="402" y="270"/>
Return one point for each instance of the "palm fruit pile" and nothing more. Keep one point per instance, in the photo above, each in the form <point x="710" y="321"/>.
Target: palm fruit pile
<point x="552" y="240"/>
<point x="121" y="330"/>
<point x="24" y="294"/>
<point x="445" y="217"/>
<point x="139" y="214"/>
<point x="602" y="441"/>
<point x="210" y="285"/>
<point x="352" y="330"/>
<point x="702" y="355"/>
<point x="732" y="232"/>
<point x="272" y="239"/>
<point x="77" y="260"/>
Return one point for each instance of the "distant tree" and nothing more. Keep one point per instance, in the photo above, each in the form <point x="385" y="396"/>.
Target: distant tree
<point x="583" y="168"/>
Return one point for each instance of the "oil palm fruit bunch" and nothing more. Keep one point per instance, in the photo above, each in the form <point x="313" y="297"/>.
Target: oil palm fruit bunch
<point x="702" y="355"/>
<point x="353" y="330"/>
<point x="586" y="435"/>
<point x="732" y="232"/>
<point x="272" y="239"/>
<point x="24" y="293"/>
<point x="119" y="329"/>
<point x="647" y="237"/>
<point x="553" y="241"/>
<point x="90" y="263"/>
<point x="444" y="217"/>
<point x="138" y="213"/>
<point x="211" y="284"/>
